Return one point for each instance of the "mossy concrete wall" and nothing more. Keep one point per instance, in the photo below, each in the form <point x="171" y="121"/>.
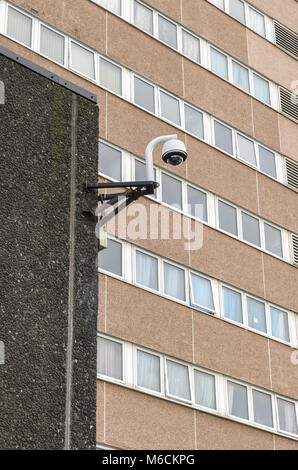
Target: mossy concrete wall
<point x="48" y="275"/>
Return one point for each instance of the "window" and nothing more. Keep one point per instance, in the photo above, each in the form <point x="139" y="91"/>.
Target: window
<point x="246" y="150"/>
<point x="174" y="281"/>
<point x="219" y="63"/>
<point x="148" y="371"/>
<point x="109" y="358"/>
<point x="227" y="218"/>
<point x="232" y="305"/>
<point x="241" y="76"/>
<point x="202" y="292"/>
<point x="110" y="76"/>
<point x="218" y="3"/>
<point x="251" y="229"/>
<point x="273" y="240"/>
<point x="237" y="10"/>
<point x="144" y="94"/>
<point x="146" y="270"/>
<point x="223" y="137"/>
<point x="205" y="394"/>
<point x="197" y="203"/>
<point x="262" y="90"/>
<point x="194" y="121"/>
<point x="191" y="46"/>
<point x="279" y="324"/>
<point x="167" y="32"/>
<point x="82" y="60"/>
<point x="237" y="397"/>
<point x="52" y="44"/>
<point x="256" y="315"/>
<point x="143" y="17"/>
<point x="178" y="380"/>
<point x="257" y="22"/>
<point x="112" y="5"/>
<point x="109" y="161"/>
<point x="287" y="416"/>
<point x="19" y="26"/>
<point x="170" y="108"/>
<point x="140" y="174"/>
<point x="267" y="161"/>
<point x="262" y="406"/>
<point x="110" y="259"/>
<point x="171" y="191"/>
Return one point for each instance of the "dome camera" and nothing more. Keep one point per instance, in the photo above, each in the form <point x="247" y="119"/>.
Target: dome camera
<point x="174" y="152"/>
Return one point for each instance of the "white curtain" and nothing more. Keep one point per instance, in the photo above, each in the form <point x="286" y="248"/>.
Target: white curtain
<point x="279" y="324"/>
<point x="202" y="291"/>
<point x="218" y="3"/>
<point x="174" y="281"/>
<point x="19" y="26"/>
<point x="237" y="10"/>
<point x="233" y="305"/>
<point x="241" y="76"/>
<point x="149" y="371"/>
<point x="237" y="396"/>
<point x="82" y="60"/>
<point x="52" y="44"/>
<point x="219" y="63"/>
<point x="109" y="358"/>
<point x="205" y="390"/>
<point x="257" y="22"/>
<point x="112" y="5"/>
<point x="262" y="90"/>
<point x="262" y="408"/>
<point x="287" y="416"/>
<point x="143" y="17"/>
<point x="110" y="76"/>
<point x="256" y="314"/>
<point x="147" y="270"/>
<point x="178" y="380"/>
<point x="167" y="32"/>
<point x="191" y="46"/>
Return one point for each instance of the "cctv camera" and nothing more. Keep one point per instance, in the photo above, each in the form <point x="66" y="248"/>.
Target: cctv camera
<point x="174" y="152"/>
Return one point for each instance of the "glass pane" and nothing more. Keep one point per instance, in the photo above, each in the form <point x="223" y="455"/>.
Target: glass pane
<point x="251" y="229"/>
<point x="256" y="21"/>
<point x="167" y="32"/>
<point x="267" y="161"/>
<point x="256" y="315"/>
<point x="262" y="90"/>
<point x="241" y="76"/>
<point x="171" y="191"/>
<point x="146" y="270"/>
<point x="205" y="394"/>
<point x="174" y="281"/>
<point x="227" y="218"/>
<point x="52" y="44"/>
<point x="170" y="108"/>
<point x="109" y="161"/>
<point x="279" y="324"/>
<point x="237" y="10"/>
<point x="194" y="121"/>
<point x="110" y="259"/>
<point x="232" y="305"/>
<point x="287" y="416"/>
<point x="19" y="26"/>
<point x="197" y="203"/>
<point x="218" y="3"/>
<point x="144" y="95"/>
<point x="178" y="380"/>
<point x="110" y="76"/>
<point x="246" y="150"/>
<point x="273" y="241"/>
<point x="223" y="137"/>
<point x="202" y="291"/>
<point x="191" y="46"/>
<point x="148" y="371"/>
<point x="262" y="408"/>
<point x="82" y="60"/>
<point x="143" y="17"/>
<point x="237" y="395"/>
<point x="219" y="63"/>
<point x="140" y="174"/>
<point x="112" y="5"/>
<point x="109" y="358"/>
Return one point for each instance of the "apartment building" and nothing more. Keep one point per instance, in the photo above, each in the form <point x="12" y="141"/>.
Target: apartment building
<point x="197" y="337"/>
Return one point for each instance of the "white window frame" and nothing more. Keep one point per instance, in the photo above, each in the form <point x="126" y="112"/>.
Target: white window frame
<point x="216" y="389"/>
<point x="186" y="286"/>
<point x="175" y="397"/>
<point x="202" y="139"/>
<point x="256" y="166"/>
<point x="222" y="305"/>
<point x="132" y="10"/>
<point x="287" y="433"/>
<point x="206" y="222"/>
<point x="213" y="120"/>
<point x="249" y="405"/>
<point x="156" y="107"/>
<point x="161" y="90"/>
<point x="115" y="64"/>
<point x="157" y="199"/>
<point x="123" y="260"/>
<point x="161" y="371"/>
<point x="124" y="361"/>
<point x="177" y="33"/>
<point x="65" y="62"/>
<point x="290" y="331"/>
<point x="241" y="235"/>
<point x="213" y="290"/>
<point x="270" y="224"/>
<point x="228" y="79"/>
<point x="33" y="26"/>
<point x="251" y="328"/>
<point x="239" y="227"/>
<point x="108" y="144"/>
<point x="265" y="392"/>
<point x="134" y="269"/>
<point x="249" y="76"/>
<point x="269" y="88"/>
<point x="248" y="22"/>
<point x="93" y="80"/>
<point x="200" y="45"/>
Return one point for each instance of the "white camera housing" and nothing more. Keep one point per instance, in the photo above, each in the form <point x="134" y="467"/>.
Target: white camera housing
<point x="174" y="152"/>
